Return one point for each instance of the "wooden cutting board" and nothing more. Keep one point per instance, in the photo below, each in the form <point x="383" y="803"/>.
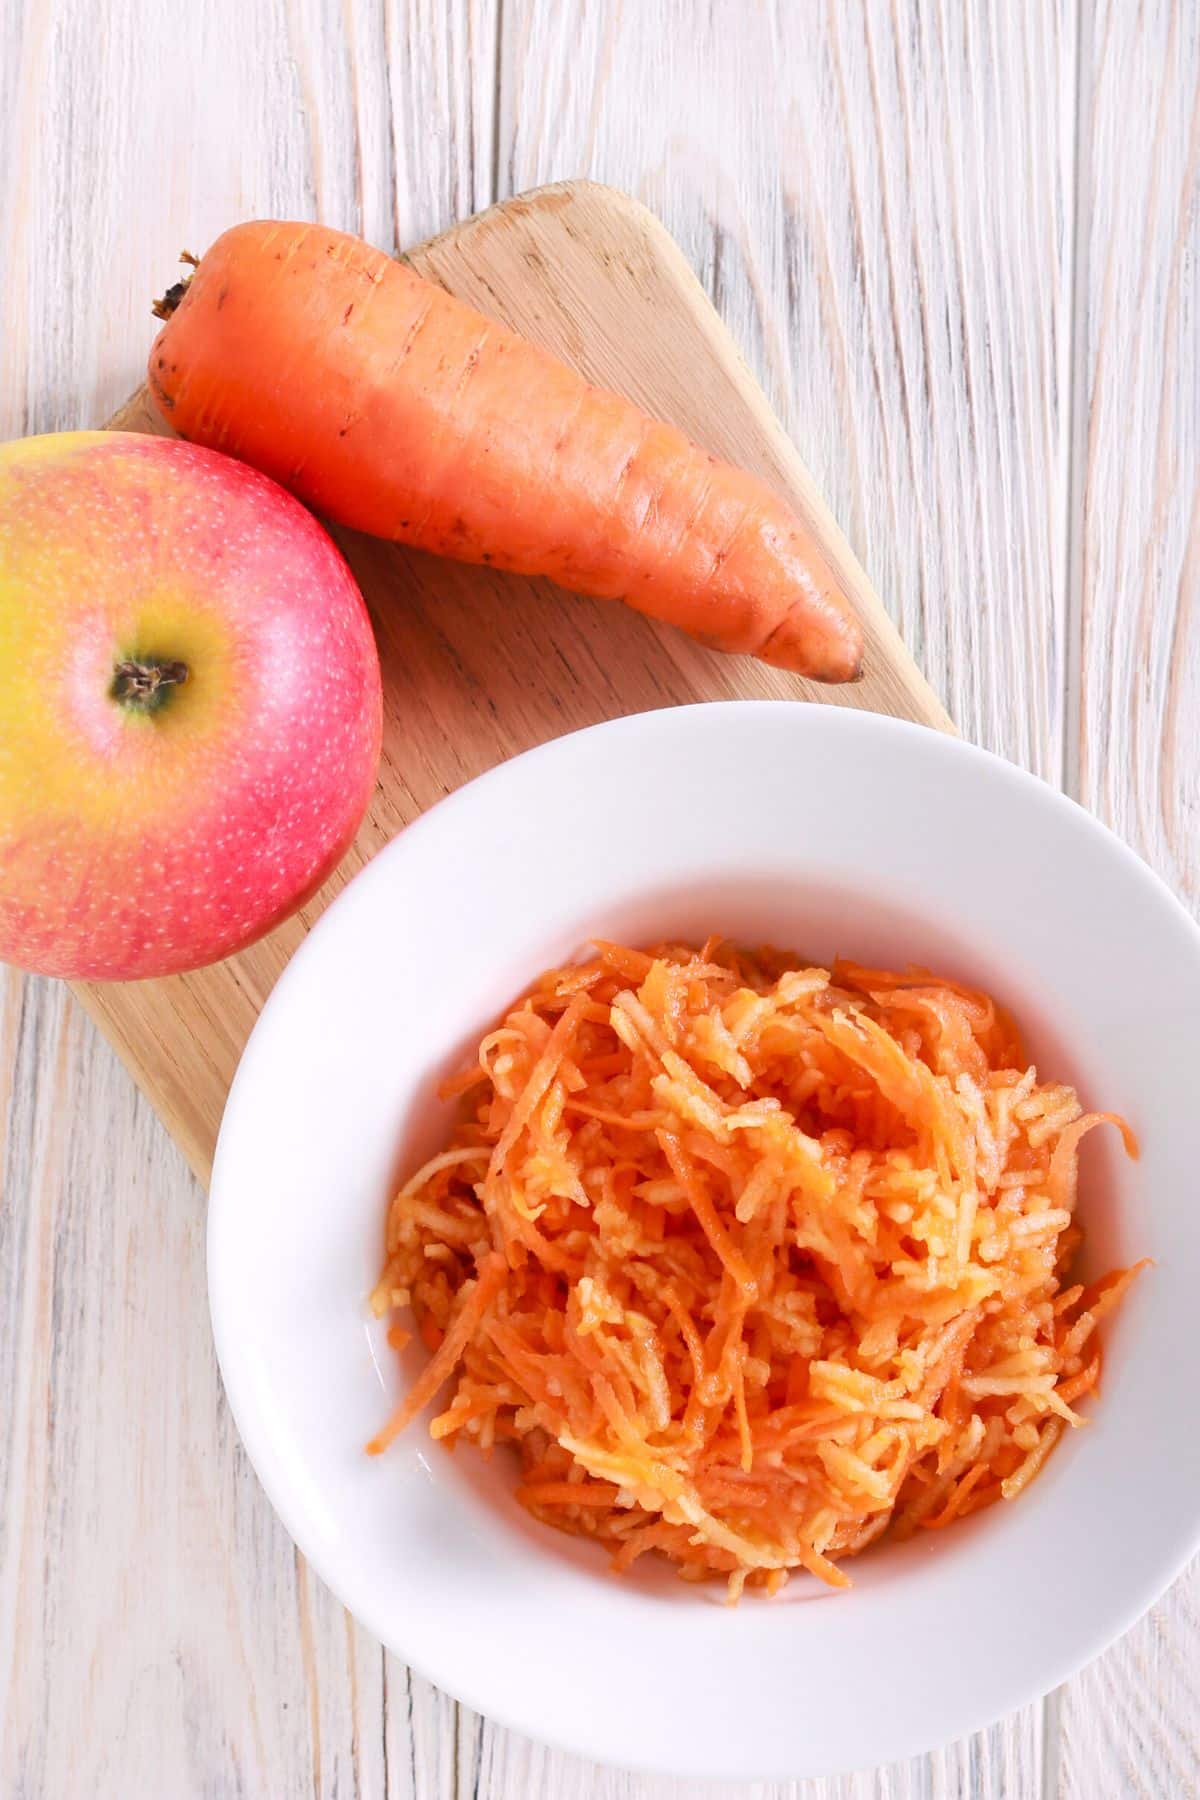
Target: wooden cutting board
<point x="478" y="666"/>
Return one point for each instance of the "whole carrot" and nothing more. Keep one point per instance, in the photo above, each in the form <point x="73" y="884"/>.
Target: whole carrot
<point x="394" y="408"/>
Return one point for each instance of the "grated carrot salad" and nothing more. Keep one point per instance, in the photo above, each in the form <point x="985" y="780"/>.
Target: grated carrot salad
<point x="750" y="1261"/>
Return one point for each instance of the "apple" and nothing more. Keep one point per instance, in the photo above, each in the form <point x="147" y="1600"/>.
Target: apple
<point x="190" y="705"/>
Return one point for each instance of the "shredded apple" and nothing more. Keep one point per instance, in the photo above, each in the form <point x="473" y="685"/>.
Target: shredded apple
<point x="751" y="1261"/>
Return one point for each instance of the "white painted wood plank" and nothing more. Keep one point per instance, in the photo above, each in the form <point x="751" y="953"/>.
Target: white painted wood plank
<point x="158" y="1633"/>
<point x="1130" y="1725"/>
<point x="878" y="198"/>
<point x="832" y="173"/>
<point x="152" y="1614"/>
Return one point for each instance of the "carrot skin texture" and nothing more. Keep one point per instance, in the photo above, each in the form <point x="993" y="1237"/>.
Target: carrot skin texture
<point x="392" y="407"/>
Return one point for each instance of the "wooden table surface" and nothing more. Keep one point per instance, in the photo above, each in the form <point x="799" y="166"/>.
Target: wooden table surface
<point x="959" y="241"/>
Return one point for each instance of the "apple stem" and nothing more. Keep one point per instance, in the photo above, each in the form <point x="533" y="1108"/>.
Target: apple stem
<point x="143" y="683"/>
<point x="162" y="309"/>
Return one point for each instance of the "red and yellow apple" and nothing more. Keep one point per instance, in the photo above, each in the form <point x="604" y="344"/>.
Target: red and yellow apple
<point x="190" y="705"/>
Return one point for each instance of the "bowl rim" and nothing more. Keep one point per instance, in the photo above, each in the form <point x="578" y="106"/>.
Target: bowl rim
<point x="410" y="841"/>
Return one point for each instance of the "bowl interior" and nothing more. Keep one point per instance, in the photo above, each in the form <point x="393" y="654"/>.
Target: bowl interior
<point x="813" y="829"/>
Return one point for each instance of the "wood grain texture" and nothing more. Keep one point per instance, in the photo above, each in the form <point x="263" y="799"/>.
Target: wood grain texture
<point x="1130" y="1724"/>
<point x="478" y="666"/>
<point x="158" y="1634"/>
<point x="882" y="200"/>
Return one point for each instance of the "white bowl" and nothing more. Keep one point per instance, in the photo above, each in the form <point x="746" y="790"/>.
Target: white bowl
<point x="813" y="828"/>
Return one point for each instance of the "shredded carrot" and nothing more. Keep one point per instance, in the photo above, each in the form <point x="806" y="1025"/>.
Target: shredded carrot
<point x="567" y="1493"/>
<point x="751" y="1262"/>
<point x="1082" y="1383"/>
<point x="958" y="1494"/>
<point x="476" y="1297"/>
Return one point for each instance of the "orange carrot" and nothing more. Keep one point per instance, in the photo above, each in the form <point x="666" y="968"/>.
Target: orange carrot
<point x="392" y="407"/>
<point x="819" y="1565"/>
<point x="568" y="1493"/>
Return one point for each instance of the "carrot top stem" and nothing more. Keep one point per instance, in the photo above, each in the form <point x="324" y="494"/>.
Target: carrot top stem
<point x="164" y="307"/>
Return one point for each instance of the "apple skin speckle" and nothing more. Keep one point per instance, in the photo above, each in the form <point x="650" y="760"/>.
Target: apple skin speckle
<point x="145" y="842"/>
